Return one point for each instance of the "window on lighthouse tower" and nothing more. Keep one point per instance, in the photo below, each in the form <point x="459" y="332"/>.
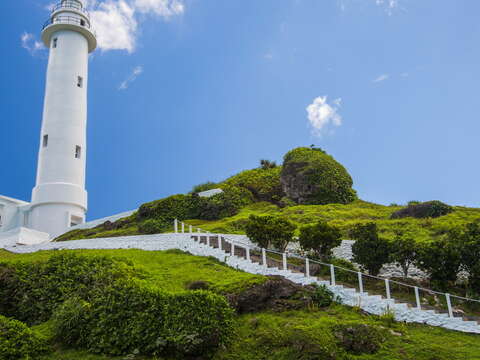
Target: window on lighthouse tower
<point x="78" y="152"/>
<point x="80" y="82"/>
<point x="54" y="44"/>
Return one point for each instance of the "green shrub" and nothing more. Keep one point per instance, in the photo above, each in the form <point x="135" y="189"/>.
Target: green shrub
<point x="310" y="176"/>
<point x="404" y="251"/>
<point x="166" y="210"/>
<point x="321" y="238"/>
<point x="18" y="341"/>
<point x="441" y="259"/>
<point x="31" y="291"/>
<point x="152" y="226"/>
<point x="226" y="204"/>
<point x="468" y="242"/>
<point x="370" y="250"/>
<point x="429" y="209"/>
<point x="322" y="296"/>
<point x="357" y="338"/>
<point x="266" y="231"/>
<point x="264" y="184"/>
<point x="267" y="164"/>
<point x="126" y="318"/>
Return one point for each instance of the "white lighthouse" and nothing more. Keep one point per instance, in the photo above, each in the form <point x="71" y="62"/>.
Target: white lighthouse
<point x="59" y="199"/>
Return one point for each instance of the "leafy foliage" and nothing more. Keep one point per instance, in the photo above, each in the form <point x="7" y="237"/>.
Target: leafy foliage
<point x="269" y="231"/>
<point x="124" y="318"/>
<point x="152" y="226"/>
<point x="18" y="341"/>
<point x="467" y="240"/>
<point x="441" y="259"/>
<point x="369" y="250"/>
<point x="228" y="203"/>
<point x="321" y="238"/>
<point x="31" y="291"/>
<point x="322" y="297"/>
<point x="404" y="251"/>
<point x="357" y="338"/>
<point x="310" y="176"/>
<point x="429" y="209"/>
<point x="264" y="184"/>
<point x="267" y="164"/>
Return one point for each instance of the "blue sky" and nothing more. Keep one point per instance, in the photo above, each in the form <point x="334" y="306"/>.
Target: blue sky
<point x="182" y="92"/>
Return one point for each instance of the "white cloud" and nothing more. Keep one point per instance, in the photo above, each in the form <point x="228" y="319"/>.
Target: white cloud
<point x="389" y="5"/>
<point x="165" y="8"/>
<point x="115" y="24"/>
<point x="131" y="78"/>
<point x="322" y="115"/>
<point x="30" y="43"/>
<point x="381" y="78"/>
<point x="116" y="21"/>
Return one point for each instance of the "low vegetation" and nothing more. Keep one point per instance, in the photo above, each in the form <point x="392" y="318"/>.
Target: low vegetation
<point x="137" y="304"/>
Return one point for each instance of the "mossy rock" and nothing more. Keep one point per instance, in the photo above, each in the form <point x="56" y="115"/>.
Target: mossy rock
<point x="311" y="176"/>
<point x="429" y="209"/>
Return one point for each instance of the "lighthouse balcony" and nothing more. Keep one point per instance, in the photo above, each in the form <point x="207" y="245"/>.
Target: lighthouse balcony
<point x="70" y="5"/>
<point x="73" y="23"/>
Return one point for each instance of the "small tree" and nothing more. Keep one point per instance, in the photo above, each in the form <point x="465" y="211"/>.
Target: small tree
<point x="468" y="242"/>
<point x="268" y="231"/>
<point x="369" y="250"/>
<point x="441" y="260"/>
<point x="320" y="238"/>
<point x="404" y="251"/>
<point x="267" y="164"/>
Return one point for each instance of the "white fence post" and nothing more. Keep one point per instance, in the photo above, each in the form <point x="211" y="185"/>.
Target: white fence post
<point x="387" y="288"/>
<point x="183" y="227"/>
<point x="307" y="267"/>
<point x="190" y="229"/>
<point x="284" y="259"/>
<point x="360" y="282"/>
<point x="332" y="275"/>
<point x="449" y="305"/>
<point x="247" y="250"/>
<point x="209" y="240"/>
<point x="417" y="298"/>
<point x="199" y="235"/>
<point x="232" y="248"/>
<point x="264" y="257"/>
<point x="175" y="226"/>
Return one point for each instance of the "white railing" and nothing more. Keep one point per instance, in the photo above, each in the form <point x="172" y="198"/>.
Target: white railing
<point x="390" y="289"/>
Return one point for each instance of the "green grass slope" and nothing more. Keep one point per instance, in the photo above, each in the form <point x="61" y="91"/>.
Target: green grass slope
<point x="343" y="216"/>
<point x="302" y="334"/>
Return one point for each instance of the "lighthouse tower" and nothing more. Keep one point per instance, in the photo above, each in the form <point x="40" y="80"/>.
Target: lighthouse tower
<point x="59" y="199"/>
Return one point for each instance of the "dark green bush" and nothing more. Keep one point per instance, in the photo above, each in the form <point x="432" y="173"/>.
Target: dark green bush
<point x="310" y="176"/>
<point x="404" y="250"/>
<point x="166" y="210"/>
<point x="429" y="209"/>
<point x="31" y="291"/>
<point x="267" y="231"/>
<point x="468" y="242"/>
<point x="322" y="297"/>
<point x="226" y="204"/>
<point x="267" y="164"/>
<point x="126" y="318"/>
<point x="153" y="226"/>
<point x="357" y="338"/>
<point x="18" y="341"/>
<point x="264" y="184"/>
<point x="370" y="250"/>
<point x="321" y="238"/>
<point x="442" y="260"/>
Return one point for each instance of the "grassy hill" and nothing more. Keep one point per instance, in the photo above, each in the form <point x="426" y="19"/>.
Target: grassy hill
<point x="307" y="333"/>
<point x="343" y="216"/>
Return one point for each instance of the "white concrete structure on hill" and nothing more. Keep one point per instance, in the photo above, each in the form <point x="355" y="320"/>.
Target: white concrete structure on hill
<point x="59" y="199"/>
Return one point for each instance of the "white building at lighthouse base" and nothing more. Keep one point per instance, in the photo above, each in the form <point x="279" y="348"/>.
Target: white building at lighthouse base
<point x="14" y="223"/>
